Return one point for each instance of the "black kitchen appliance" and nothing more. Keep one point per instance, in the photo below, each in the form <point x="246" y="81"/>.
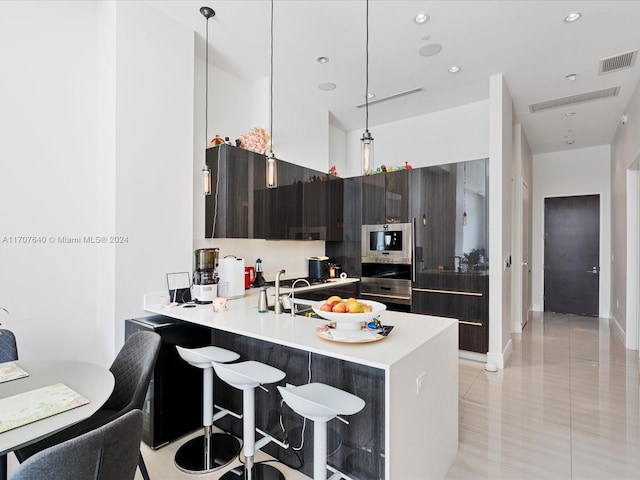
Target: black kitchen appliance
<point x="173" y="404"/>
<point x="259" y="281"/>
<point x="318" y="268"/>
<point x="205" y="275"/>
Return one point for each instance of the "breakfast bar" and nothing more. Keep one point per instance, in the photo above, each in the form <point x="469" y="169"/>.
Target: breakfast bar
<point x="408" y="379"/>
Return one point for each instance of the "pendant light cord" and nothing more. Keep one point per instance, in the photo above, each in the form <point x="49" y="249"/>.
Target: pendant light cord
<point x="271" y="89"/>
<point x="366" y="93"/>
<point x="206" y="89"/>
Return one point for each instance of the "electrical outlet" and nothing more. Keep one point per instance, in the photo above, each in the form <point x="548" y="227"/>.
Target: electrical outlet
<point x="420" y="382"/>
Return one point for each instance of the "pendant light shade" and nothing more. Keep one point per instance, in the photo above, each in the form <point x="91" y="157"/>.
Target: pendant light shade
<point x="206" y="179"/>
<point x="367" y="152"/>
<point x="367" y="139"/>
<point x="207" y="13"/>
<point x="272" y="172"/>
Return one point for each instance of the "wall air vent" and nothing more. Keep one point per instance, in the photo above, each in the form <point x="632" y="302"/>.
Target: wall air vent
<point x="391" y="97"/>
<point x="618" y="62"/>
<point x="574" y="99"/>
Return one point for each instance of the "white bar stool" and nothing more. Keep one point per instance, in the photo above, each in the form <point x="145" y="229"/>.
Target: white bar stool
<point x="320" y="402"/>
<point x="210" y="451"/>
<point x="246" y="376"/>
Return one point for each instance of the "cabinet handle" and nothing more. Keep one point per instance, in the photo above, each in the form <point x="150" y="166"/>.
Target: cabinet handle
<point x="413" y="251"/>
<point x="450" y="292"/>
<point x="473" y="324"/>
<point x="385" y="295"/>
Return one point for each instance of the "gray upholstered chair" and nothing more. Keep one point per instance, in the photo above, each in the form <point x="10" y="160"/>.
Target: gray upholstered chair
<point x="8" y="346"/>
<point x="108" y="453"/>
<point x="8" y="353"/>
<point x="132" y="370"/>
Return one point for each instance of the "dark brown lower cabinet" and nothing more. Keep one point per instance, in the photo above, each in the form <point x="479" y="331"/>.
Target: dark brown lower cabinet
<point x="465" y="297"/>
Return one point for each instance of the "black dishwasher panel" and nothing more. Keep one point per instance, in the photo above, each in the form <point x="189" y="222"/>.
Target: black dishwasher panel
<point x="173" y="405"/>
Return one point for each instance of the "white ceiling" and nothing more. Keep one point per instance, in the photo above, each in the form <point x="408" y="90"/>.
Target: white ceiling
<point x="527" y="41"/>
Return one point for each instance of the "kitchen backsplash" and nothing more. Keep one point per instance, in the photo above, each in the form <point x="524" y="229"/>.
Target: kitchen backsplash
<point x="288" y="254"/>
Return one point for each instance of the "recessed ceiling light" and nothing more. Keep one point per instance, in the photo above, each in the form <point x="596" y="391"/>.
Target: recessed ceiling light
<point x="454" y="69"/>
<point x="430" y="50"/>
<point x="571" y="77"/>
<point x="327" y="86"/>
<point x="572" y="17"/>
<point x="421" y="18"/>
<point x="569" y="114"/>
<point x="426" y="37"/>
<point x="371" y="95"/>
<point x="322" y="59"/>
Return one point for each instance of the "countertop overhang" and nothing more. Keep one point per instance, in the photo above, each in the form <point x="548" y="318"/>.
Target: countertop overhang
<point x="410" y="331"/>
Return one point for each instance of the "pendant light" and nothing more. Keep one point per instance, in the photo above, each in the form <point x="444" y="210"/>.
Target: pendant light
<point x="272" y="173"/>
<point x="367" y="139"/>
<point x="206" y="171"/>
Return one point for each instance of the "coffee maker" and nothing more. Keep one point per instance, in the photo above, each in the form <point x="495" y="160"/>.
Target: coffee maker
<point x="205" y="275"/>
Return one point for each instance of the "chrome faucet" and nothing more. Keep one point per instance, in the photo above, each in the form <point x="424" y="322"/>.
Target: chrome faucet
<point x="277" y="307"/>
<point x="293" y="297"/>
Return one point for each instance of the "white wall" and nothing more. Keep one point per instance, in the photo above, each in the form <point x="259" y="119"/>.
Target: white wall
<point x="447" y="136"/>
<point x="48" y="185"/>
<point x="625" y="150"/>
<point x="573" y="172"/>
<point x="337" y="147"/>
<point x="106" y="186"/>
<point x="521" y="247"/>
<point x="154" y="85"/>
<point x="97" y="140"/>
<point x="500" y="221"/>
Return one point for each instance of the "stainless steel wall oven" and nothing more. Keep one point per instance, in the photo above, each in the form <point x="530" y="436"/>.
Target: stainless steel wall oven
<point x="387" y="268"/>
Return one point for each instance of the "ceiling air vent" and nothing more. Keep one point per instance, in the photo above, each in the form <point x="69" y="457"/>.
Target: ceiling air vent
<point x="391" y="97"/>
<point x="574" y="99"/>
<point x="619" y="62"/>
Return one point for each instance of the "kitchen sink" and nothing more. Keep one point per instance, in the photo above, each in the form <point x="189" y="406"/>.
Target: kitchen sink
<point x="302" y="310"/>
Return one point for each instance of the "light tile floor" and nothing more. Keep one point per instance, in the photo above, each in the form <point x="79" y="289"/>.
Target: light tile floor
<point x="566" y="407"/>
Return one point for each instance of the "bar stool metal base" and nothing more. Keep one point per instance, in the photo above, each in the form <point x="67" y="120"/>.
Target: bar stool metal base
<point x="192" y="458"/>
<point x="260" y="471"/>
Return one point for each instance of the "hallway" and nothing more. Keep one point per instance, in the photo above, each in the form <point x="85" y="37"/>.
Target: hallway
<point x="565" y="407"/>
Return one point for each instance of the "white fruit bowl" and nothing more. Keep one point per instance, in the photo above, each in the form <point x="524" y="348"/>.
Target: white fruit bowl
<point x="351" y="321"/>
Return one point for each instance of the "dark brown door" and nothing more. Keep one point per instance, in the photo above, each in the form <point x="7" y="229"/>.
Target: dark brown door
<point x="571" y="254"/>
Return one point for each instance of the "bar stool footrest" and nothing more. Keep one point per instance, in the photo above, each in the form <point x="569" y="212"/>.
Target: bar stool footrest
<point x="223" y="412"/>
<point x="191" y="458"/>
<point x="260" y="471"/>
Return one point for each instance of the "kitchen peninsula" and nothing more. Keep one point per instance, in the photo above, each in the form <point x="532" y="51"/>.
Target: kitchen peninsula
<point x="409" y="381"/>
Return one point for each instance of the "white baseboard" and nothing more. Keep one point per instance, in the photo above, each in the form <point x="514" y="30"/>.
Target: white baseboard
<point x="617" y="330"/>
<point x="500" y="359"/>
<point x="476" y="357"/>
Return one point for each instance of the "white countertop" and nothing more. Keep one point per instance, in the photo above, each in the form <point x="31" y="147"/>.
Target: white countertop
<point x="303" y="287"/>
<point x="242" y="317"/>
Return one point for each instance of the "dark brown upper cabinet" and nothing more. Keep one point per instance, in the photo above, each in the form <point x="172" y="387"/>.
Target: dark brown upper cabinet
<point x="305" y="205"/>
<point x="385" y="198"/>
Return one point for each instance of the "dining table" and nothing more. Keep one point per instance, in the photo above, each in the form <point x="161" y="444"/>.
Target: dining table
<point x="92" y="383"/>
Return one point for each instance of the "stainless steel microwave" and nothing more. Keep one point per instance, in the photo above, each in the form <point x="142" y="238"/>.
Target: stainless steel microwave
<point x="387" y="243"/>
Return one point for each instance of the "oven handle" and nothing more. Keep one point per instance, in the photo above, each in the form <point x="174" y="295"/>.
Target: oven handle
<point x="413" y="251"/>
<point x="384" y="295"/>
